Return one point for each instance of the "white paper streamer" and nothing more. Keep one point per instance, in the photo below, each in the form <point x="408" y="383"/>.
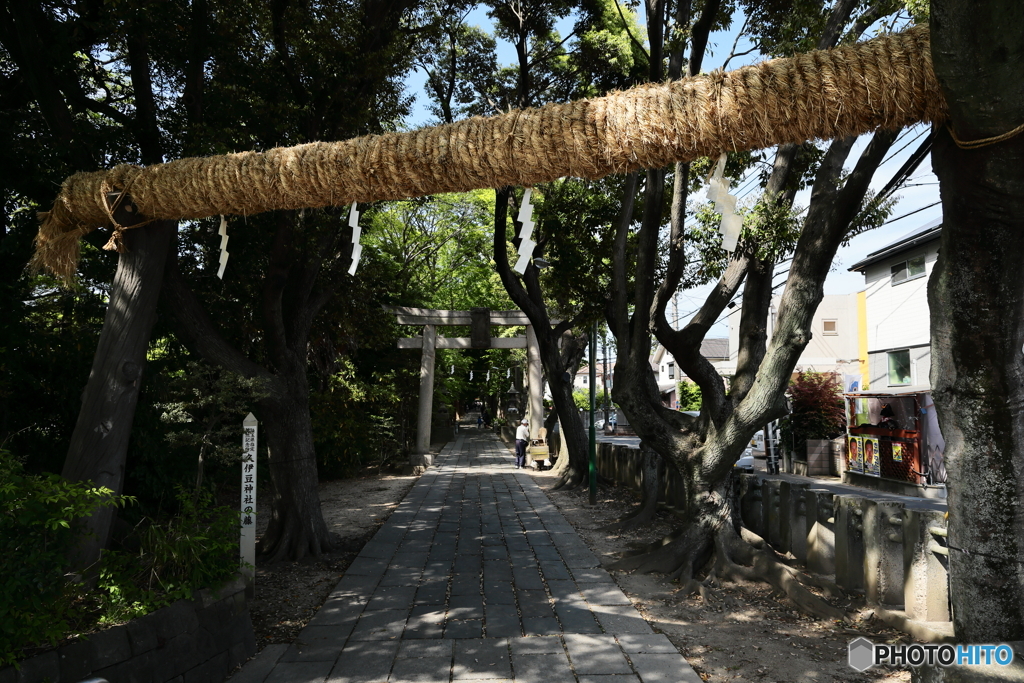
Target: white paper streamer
<point x="526" y="245"/>
<point x="725" y="204"/>
<point x="357" y="249"/>
<point x="223" y="232"/>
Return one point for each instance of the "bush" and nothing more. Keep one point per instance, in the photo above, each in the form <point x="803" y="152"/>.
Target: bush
<point x="37" y="513"/>
<point x="818" y="413"/>
<point x="196" y="549"/>
<point x="41" y="605"/>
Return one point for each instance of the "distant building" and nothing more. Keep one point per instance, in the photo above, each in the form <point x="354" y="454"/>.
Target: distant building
<point x="834" y="337"/>
<point x="668" y="374"/>
<point x="896" y="338"/>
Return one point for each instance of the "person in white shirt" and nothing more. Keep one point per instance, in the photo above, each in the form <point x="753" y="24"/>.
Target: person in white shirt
<point x="522" y="439"/>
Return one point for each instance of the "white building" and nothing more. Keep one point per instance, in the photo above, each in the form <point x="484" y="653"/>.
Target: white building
<point x="668" y="374"/>
<point x="834" y="337"/>
<point x="896" y="325"/>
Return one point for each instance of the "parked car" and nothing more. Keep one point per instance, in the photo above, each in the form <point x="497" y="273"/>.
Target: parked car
<point x="746" y="461"/>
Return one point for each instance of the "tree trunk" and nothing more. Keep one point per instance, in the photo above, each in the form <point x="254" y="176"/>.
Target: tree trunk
<point x="976" y="297"/>
<point x="99" y="444"/>
<point x="297" y="526"/>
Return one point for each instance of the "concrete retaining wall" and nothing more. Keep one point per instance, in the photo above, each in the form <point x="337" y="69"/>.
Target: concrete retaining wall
<point x="190" y="641"/>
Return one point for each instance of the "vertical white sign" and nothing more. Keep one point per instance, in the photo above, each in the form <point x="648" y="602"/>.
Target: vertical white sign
<point x="247" y="544"/>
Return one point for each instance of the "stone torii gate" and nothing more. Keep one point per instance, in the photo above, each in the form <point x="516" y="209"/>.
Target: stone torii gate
<point x="480" y="321"/>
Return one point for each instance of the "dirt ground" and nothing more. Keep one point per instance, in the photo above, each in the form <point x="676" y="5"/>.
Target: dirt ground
<point x="750" y="635"/>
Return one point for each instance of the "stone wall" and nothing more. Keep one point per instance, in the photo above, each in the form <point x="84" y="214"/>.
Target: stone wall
<point x="893" y="554"/>
<point x="190" y="641"/>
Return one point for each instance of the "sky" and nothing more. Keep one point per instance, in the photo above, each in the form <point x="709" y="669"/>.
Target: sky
<point x="917" y="201"/>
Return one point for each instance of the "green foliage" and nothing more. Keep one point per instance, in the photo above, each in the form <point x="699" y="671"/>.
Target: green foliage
<point x="581" y="397"/>
<point x="37" y="515"/>
<point x="40" y="604"/>
<point x="197" y="548"/>
<point x="818" y="412"/>
<point x="689" y="396"/>
<point x="206" y="410"/>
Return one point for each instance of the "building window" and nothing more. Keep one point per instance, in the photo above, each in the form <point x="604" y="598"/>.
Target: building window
<point x="899" y="367"/>
<point x="585" y="378"/>
<point x="671" y="370"/>
<point x="830" y="327"/>
<point x="908" y="270"/>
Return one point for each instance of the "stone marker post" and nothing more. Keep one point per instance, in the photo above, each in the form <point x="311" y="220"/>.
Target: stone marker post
<point x="247" y="540"/>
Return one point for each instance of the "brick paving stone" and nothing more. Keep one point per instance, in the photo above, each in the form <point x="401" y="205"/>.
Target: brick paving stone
<point x="391" y="597"/>
<point x="541" y="625"/>
<point x="537" y="645"/>
<point x="338" y="612"/>
<point x="367" y="566"/>
<point x="431" y="593"/>
<point x="542" y="668"/>
<point x="464" y="628"/>
<point x="554" y="570"/>
<point x="584" y="575"/>
<point x="637" y="643"/>
<point x="466" y="583"/>
<point x="300" y="672"/>
<point x="466" y="607"/>
<point x="364" y="663"/>
<point x="596" y="654"/>
<point x="610" y="678"/>
<point x="425" y="621"/>
<point x="421" y="670"/>
<point x="620" y="619"/>
<point x="664" y="668"/>
<point x="426" y="648"/>
<point x="401" y="576"/>
<point x="482" y="659"/>
<point x="316" y="644"/>
<point x="603" y="594"/>
<point x="380" y="625"/>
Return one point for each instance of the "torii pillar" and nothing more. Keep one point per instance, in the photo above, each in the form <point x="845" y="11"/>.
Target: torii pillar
<point x="480" y="320"/>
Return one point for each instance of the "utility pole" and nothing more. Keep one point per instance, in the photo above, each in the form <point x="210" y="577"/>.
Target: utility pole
<point x="604" y="376"/>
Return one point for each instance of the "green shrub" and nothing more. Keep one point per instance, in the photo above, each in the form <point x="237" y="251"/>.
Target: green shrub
<point x="37" y="513"/>
<point x="198" y="548"/>
<point x="818" y="413"/>
<point x="41" y="605"/>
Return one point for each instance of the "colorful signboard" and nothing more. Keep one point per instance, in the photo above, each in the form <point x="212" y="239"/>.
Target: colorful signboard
<point x="897" y="451"/>
<point x="872" y="456"/>
<point x="855" y="457"/>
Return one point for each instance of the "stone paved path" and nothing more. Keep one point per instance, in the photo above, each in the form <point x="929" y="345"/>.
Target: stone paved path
<point x="475" y="576"/>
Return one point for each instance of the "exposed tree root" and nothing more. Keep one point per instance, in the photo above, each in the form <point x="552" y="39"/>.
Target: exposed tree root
<point x="733" y="556"/>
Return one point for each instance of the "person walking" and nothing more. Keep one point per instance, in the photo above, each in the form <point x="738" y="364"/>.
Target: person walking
<point x="522" y="439"/>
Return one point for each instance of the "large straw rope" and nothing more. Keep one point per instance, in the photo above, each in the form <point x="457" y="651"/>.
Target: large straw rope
<point x="886" y="82"/>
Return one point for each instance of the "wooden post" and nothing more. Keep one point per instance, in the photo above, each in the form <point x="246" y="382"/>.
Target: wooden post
<point x="247" y="539"/>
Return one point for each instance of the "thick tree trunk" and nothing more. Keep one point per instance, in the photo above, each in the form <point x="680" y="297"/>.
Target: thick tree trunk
<point x="572" y="470"/>
<point x="99" y="444"/>
<point x="976" y="297"/>
<point x="297" y="528"/>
